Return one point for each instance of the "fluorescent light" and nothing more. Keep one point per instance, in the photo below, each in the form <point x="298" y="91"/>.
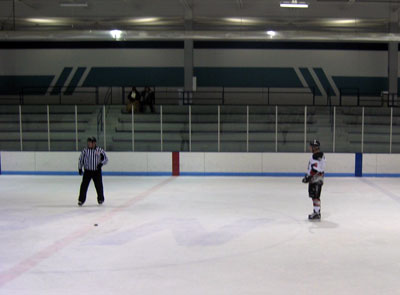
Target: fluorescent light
<point x="233" y="19"/>
<point x="271" y="33"/>
<point x="72" y="4"/>
<point x="239" y="20"/>
<point x="342" y="21"/>
<point x="41" y="20"/>
<point x="144" y="20"/>
<point x="116" y="34"/>
<point x="294" y="4"/>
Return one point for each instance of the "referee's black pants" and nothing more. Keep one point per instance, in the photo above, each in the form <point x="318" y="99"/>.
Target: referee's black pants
<point x="98" y="183"/>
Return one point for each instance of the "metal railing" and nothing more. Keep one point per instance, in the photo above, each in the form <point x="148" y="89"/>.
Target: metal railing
<point x="353" y="97"/>
<point x="240" y="128"/>
<point x="102" y="114"/>
<point x="53" y="95"/>
<point x="203" y="96"/>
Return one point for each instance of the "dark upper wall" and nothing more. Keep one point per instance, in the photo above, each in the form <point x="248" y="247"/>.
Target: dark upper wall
<point x="327" y="67"/>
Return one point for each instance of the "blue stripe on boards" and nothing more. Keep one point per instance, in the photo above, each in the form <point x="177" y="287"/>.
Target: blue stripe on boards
<point x="143" y="173"/>
<point x="388" y="175"/>
<point x="242" y="174"/>
<point x="106" y="173"/>
<point x="40" y="173"/>
<point x="262" y="174"/>
<point x="137" y="173"/>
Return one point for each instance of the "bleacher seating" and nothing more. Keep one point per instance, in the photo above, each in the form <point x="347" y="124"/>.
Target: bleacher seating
<point x="35" y="128"/>
<point x="204" y="126"/>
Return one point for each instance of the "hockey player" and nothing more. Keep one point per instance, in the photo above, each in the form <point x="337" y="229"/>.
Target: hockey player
<point x="315" y="178"/>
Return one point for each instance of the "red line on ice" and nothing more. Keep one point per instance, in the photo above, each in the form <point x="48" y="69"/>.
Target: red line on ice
<point x="29" y="263"/>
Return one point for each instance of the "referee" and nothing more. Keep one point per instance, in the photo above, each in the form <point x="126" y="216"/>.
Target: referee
<point x="91" y="159"/>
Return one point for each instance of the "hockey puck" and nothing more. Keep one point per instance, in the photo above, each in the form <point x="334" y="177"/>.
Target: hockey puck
<point x="95" y="224"/>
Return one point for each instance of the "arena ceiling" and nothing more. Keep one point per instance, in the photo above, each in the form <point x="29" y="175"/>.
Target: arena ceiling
<point x="357" y="20"/>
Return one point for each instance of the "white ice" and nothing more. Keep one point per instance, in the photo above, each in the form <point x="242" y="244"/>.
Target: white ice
<point x="199" y="235"/>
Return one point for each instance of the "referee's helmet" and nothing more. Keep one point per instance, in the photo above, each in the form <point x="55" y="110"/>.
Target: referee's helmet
<point x="91" y="139"/>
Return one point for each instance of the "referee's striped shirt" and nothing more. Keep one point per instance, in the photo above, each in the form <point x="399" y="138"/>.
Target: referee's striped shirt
<point x="90" y="158"/>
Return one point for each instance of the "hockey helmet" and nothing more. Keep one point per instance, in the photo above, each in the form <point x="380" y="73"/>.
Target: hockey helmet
<point x="315" y="143"/>
<point x="91" y="139"/>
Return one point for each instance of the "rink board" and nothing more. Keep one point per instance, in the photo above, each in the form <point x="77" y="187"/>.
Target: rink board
<point x="202" y="164"/>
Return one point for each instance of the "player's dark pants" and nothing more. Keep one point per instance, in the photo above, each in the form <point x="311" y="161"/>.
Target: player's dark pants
<point x="98" y="183"/>
<point x="314" y="190"/>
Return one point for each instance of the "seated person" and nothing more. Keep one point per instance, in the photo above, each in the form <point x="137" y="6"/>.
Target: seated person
<point x="149" y="98"/>
<point x="133" y="100"/>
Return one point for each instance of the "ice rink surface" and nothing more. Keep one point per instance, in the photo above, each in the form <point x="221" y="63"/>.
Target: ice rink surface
<point x="199" y="235"/>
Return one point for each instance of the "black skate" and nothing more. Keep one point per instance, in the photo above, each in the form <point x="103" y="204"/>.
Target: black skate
<point x="80" y="204"/>
<point x="314" y="216"/>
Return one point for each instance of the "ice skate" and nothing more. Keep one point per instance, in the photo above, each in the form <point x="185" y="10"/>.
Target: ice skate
<point x="315" y="216"/>
<point x="80" y="204"/>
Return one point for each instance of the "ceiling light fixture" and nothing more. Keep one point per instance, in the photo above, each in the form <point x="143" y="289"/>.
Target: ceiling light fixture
<point x="342" y="21"/>
<point x="239" y="20"/>
<point x="234" y="19"/>
<point x="271" y="33"/>
<point x="73" y="4"/>
<point x="116" y="34"/>
<point x="145" y="20"/>
<point x="41" y="20"/>
<point x="294" y="4"/>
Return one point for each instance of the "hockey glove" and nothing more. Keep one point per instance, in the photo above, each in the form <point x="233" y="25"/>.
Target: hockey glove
<point x="306" y="178"/>
<point x="80" y="171"/>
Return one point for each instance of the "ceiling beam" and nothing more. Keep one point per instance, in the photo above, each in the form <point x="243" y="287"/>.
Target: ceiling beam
<point x="104" y="35"/>
<point x="188" y="14"/>
<point x="27" y="3"/>
<point x="186" y="4"/>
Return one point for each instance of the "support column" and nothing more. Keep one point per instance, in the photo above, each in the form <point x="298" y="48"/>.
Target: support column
<point x="393" y="69"/>
<point x="393" y="56"/>
<point x="188" y="49"/>
<point x="188" y="64"/>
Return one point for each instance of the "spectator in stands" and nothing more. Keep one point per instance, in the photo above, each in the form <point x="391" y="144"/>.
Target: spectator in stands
<point x="134" y="98"/>
<point x="148" y="98"/>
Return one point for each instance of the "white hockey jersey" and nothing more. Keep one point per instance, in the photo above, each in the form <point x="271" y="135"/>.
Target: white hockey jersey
<point x="316" y="167"/>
